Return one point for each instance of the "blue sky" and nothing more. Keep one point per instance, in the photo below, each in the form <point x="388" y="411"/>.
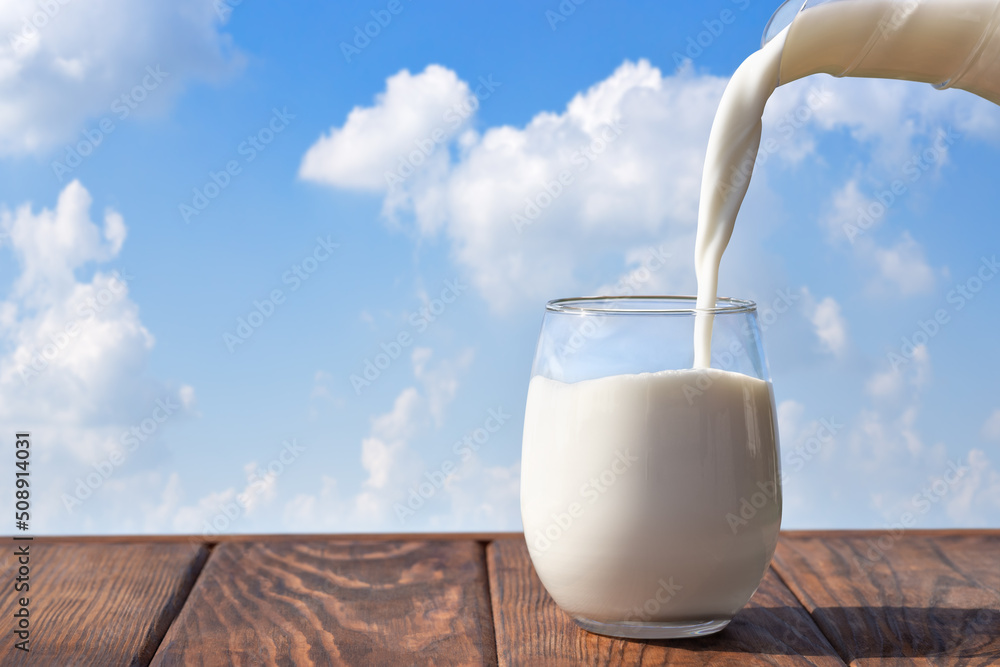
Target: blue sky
<point x="257" y="109"/>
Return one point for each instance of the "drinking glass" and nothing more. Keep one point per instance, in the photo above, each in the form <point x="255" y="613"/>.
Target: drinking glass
<point x="650" y="491"/>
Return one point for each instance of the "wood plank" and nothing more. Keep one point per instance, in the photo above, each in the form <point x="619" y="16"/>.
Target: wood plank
<point x="931" y="600"/>
<point x="331" y="602"/>
<point x="97" y="604"/>
<point x="212" y="540"/>
<point x="774" y="629"/>
<point x="916" y="532"/>
<point x="460" y="537"/>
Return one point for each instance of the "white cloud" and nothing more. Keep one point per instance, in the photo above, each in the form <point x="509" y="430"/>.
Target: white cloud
<point x="73" y="355"/>
<point x="896" y="126"/>
<point x="977" y="498"/>
<point x="846" y="219"/>
<point x="890" y="469"/>
<point x="888" y="463"/>
<point x="522" y="236"/>
<point x="903" y="265"/>
<point x="831" y="329"/>
<point x="913" y="372"/>
<point x="440" y="380"/>
<point x="882" y="433"/>
<point x="897" y="120"/>
<point x="75" y="350"/>
<point x="315" y="511"/>
<point x="158" y="516"/>
<point x="479" y="495"/>
<point x="466" y="493"/>
<point x="789" y="417"/>
<point x="886" y="439"/>
<point x="53" y="244"/>
<point x="902" y="268"/>
<point x="197" y="518"/>
<point x="321" y="385"/>
<point x="386" y="456"/>
<point x="66" y="64"/>
<point x="662" y="268"/>
<point x="808" y="445"/>
<point x="186" y="394"/>
<point x="415" y="115"/>
<point x="631" y="150"/>
<point x="885" y="384"/>
<point x="221" y="511"/>
<point x="323" y="395"/>
<point x="881" y="467"/>
<point x="991" y="429"/>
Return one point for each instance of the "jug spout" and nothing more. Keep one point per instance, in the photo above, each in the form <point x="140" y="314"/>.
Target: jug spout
<point x="781" y="19"/>
<point x="947" y="43"/>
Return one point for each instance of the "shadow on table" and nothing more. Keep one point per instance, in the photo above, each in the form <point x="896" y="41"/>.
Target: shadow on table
<point x="856" y="632"/>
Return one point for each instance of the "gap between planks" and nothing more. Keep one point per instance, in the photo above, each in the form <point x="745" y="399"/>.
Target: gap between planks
<point x="819" y="628"/>
<point x="210" y="546"/>
<point x="484" y="546"/>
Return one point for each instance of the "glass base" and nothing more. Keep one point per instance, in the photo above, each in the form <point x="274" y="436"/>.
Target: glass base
<point x="653" y="629"/>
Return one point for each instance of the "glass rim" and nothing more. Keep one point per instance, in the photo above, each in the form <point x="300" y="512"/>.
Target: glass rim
<point x="582" y="305"/>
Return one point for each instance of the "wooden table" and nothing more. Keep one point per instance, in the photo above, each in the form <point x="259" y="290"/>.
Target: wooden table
<point x="830" y="598"/>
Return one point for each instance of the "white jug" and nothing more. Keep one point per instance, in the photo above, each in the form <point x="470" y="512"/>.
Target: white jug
<point x="947" y="43"/>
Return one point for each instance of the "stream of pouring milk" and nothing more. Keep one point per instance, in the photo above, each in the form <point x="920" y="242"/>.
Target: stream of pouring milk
<point x="735" y="139"/>
<point x="943" y="42"/>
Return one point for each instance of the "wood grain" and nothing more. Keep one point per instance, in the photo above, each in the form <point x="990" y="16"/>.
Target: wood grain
<point x="212" y="540"/>
<point x="882" y="598"/>
<point x="97" y="604"/>
<point x="331" y="602"/>
<point x="531" y="630"/>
